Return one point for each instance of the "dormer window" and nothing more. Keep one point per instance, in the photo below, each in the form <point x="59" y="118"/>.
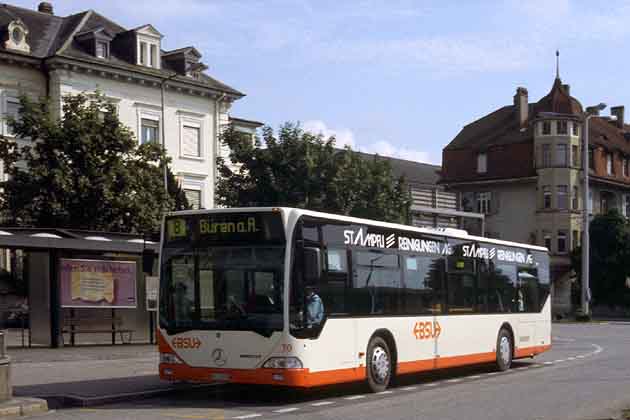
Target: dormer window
<point x="482" y="163"/>
<point x="143" y="53"/>
<point x="102" y="49"/>
<point x="96" y="42"/>
<point x="17" y="37"/>
<point x="148" y="47"/>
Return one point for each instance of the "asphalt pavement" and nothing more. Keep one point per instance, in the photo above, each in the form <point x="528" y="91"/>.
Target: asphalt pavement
<point x="586" y="376"/>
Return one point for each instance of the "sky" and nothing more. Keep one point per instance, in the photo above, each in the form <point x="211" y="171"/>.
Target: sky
<point x="395" y="77"/>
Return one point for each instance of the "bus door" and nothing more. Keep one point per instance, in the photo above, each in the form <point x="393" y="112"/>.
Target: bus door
<point x="422" y="297"/>
<point x="526" y="299"/>
<point x="460" y="290"/>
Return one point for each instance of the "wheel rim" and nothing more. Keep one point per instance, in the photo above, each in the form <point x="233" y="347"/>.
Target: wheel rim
<point x="504" y="349"/>
<point x="380" y="364"/>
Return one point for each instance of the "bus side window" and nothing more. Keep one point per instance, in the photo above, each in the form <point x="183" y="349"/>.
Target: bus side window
<point x="527" y="293"/>
<point x="377" y="283"/>
<point x="502" y="288"/>
<point x="334" y="281"/>
<point x="423" y="285"/>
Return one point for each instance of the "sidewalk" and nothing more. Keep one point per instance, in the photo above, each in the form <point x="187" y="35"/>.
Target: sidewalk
<point x="88" y="375"/>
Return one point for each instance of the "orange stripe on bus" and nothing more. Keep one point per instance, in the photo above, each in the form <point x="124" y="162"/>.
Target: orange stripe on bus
<point x="530" y="351"/>
<point x="302" y="378"/>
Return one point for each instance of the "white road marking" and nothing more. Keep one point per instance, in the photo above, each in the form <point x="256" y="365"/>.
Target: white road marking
<point x="581" y="356"/>
<point x="474" y="377"/>
<point x="409" y="388"/>
<point x="248" y="416"/>
<point x="385" y="392"/>
<point x="286" y="410"/>
<point x="570" y="358"/>
<point x="492" y="373"/>
<point x="559" y="361"/>
<point x="451" y="381"/>
<point x="355" y="397"/>
<point x="432" y="384"/>
<point x="319" y="404"/>
<point x="549" y="363"/>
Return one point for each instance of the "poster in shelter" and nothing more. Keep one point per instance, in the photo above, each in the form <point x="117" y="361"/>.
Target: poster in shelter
<point x="97" y="283"/>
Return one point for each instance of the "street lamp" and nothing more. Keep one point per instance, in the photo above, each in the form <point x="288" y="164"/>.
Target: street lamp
<point x="591" y="111"/>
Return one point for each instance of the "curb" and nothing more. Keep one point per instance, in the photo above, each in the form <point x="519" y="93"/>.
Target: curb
<point x="73" y="400"/>
<point x="23" y="407"/>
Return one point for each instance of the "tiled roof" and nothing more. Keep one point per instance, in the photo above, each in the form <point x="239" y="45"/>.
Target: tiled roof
<point x="558" y="101"/>
<point x="243" y="121"/>
<point x="414" y="172"/>
<point x="51" y="35"/>
<point x="606" y="133"/>
<point x="501" y="127"/>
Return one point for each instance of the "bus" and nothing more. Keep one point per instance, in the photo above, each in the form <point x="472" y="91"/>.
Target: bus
<point x="298" y="298"/>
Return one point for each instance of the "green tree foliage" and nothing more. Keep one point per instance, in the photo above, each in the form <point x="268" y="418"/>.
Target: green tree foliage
<point x="609" y="258"/>
<point x="300" y="169"/>
<point x="85" y="170"/>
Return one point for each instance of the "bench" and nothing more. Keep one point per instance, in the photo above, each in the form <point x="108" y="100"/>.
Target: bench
<point x="107" y="324"/>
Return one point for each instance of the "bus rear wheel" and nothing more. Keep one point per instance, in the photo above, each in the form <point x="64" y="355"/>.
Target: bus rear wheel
<point x="504" y="350"/>
<point x="379" y="365"/>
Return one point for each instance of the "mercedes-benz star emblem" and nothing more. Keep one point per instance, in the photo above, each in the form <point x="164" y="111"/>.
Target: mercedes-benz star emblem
<point x="218" y="356"/>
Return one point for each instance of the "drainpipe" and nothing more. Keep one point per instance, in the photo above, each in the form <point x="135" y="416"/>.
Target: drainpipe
<point x="216" y="147"/>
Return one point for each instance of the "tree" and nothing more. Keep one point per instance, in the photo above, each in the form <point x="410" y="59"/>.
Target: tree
<point x="84" y="170"/>
<point x="304" y="170"/>
<point x="609" y="259"/>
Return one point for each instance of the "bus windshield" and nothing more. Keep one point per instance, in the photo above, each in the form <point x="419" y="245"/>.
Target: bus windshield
<point x="223" y="272"/>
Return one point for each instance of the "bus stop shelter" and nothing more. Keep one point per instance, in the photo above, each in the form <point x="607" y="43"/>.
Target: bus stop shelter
<point x="82" y="287"/>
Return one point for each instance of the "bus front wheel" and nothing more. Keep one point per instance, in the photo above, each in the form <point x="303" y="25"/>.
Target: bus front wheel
<point x="379" y="365"/>
<point x="504" y="350"/>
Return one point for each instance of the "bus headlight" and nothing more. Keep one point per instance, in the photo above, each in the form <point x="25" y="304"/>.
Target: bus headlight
<point x="170" y="358"/>
<point x="283" y="363"/>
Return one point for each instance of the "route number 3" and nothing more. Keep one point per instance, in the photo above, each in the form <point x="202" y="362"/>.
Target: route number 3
<point x="427" y="330"/>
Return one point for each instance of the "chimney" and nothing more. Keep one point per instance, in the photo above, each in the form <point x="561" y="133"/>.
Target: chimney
<point x="45" y="7"/>
<point x="567" y="89"/>
<point x="618" y="112"/>
<point x="521" y="103"/>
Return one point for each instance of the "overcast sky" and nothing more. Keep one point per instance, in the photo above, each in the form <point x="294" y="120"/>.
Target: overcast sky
<point x="400" y="78"/>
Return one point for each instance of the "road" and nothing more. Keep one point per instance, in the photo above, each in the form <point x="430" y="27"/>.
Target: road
<point x="585" y="376"/>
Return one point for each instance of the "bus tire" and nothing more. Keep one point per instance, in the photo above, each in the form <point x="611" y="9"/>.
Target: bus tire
<point x="379" y="365"/>
<point x="505" y="347"/>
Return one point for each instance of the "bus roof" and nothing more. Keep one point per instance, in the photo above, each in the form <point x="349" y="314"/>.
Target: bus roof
<point x="452" y="233"/>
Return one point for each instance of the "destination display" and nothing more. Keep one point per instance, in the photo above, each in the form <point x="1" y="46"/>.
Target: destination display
<point x="226" y="228"/>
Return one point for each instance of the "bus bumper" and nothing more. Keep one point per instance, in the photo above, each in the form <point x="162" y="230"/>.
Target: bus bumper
<point x="299" y="378"/>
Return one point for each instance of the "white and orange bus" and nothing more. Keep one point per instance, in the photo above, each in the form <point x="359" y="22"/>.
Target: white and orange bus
<point x="299" y="298"/>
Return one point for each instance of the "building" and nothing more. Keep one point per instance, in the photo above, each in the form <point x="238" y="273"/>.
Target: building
<point x="157" y="93"/>
<point x="432" y="205"/>
<point x="521" y="166"/>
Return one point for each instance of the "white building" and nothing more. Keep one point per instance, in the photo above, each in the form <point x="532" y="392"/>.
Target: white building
<point x="43" y="55"/>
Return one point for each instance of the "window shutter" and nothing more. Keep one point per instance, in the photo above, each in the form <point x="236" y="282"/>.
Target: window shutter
<point x="194" y="198"/>
<point x="191" y="143"/>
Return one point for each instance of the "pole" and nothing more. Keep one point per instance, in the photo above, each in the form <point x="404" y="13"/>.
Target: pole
<point x="585" y="225"/>
<point x="163" y="123"/>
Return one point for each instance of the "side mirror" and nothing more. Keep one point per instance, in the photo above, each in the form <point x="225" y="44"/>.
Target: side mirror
<point x="312" y="265"/>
